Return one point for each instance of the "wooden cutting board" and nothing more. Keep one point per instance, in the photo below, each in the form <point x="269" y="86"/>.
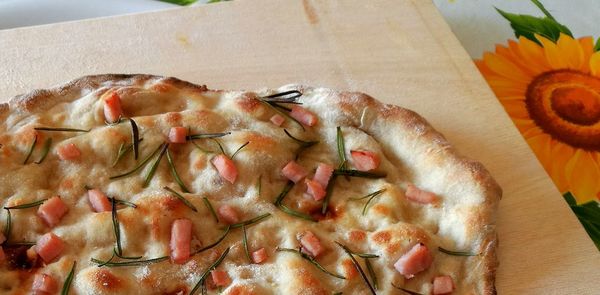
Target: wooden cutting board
<point x="399" y="51"/>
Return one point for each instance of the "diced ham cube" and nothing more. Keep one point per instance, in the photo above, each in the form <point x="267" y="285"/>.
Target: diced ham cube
<point x="68" y="152"/>
<point x="259" y="256"/>
<point x="181" y="238"/>
<point x="32" y="255"/>
<point x="277" y="119"/>
<point x="99" y="200"/>
<point x="225" y="167"/>
<point x="228" y="214"/>
<point x="52" y="211"/>
<point x="2" y="238"/>
<point x="220" y="278"/>
<point x="294" y="172"/>
<point x="112" y="108"/>
<point x="323" y="174"/>
<point x="304" y="116"/>
<point x="443" y="285"/>
<point x="416" y="260"/>
<point x="418" y="195"/>
<point x="49" y="246"/>
<point x="311" y="244"/>
<point x="44" y="284"/>
<point x="315" y="189"/>
<point x="178" y="135"/>
<point x="365" y="160"/>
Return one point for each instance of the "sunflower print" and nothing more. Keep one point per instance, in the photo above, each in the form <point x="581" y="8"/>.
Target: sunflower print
<point x="552" y="94"/>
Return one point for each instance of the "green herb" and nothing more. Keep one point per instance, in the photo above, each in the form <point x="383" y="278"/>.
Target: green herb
<point x="311" y="260"/>
<point x="341" y="147"/>
<point x="274" y="106"/>
<point x="457" y="253"/>
<point x="371" y="196"/>
<point x="181" y="198"/>
<point x="30" y="150"/>
<point x="59" y="129"/>
<point x="365" y="255"/>
<point x="28" y="205"/>
<point x="175" y="174"/>
<point x="154" y="166"/>
<point x="597" y="46"/>
<point x="251" y="221"/>
<point x="278" y="202"/>
<point x="357" y="173"/>
<point x="286" y="189"/>
<point x="225" y="233"/>
<point x="45" y="150"/>
<point x="208" y="270"/>
<point x="180" y="2"/>
<point x="406" y="290"/>
<point x="328" y="194"/>
<point x="206" y="135"/>
<point x="588" y="214"/>
<point x="210" y="208"/>
<point x="129" y="263"/>
<point x="284" y="97"/>
<point x="67" y="284"/>
<point x="123" y="150"/>
<point x="259" y="184"/>
<point x="239" y="149"/>
<point x="125" y="257"/>
<point x="245" y="243"/>
<point x="302" y="143"/>
<point x="220" y="146"/>
<point x="7" y="226"/>
<point x="22" y="243"/>
<point x="116" y="227"/>
<point x="123" y="202"/>
<point x="135" y="138"/>
<point x="371" y="273"/>
<point x="200" y="148"/>
<point x="142" y="164"/>
<point x="358" y="267"/>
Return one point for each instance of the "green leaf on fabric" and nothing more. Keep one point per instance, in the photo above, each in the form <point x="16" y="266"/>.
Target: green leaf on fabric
<point x="527" y="26"/>
<point x="588" y="214"/>
<point x="180" y="2"/>
<point x="597" y="46"/>
<point x="215" y="1"/>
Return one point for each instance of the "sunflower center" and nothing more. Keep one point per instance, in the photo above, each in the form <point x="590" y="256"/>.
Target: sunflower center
<point x="566" y="105"/>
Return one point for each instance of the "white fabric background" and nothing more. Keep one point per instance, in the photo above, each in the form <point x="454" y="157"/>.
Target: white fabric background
<point x="475" y="22"/>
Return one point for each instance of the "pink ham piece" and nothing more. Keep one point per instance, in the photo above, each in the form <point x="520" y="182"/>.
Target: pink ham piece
<point x="220" y="278"/>
<point x="323" y="174"/>
<point x="228" y="214"/>
<point x="311" y="244"/>
<point x="225" y="167"/>
<point x="294" y="172"/>
<point x="259" y="256"/>
<point x="443" y="285"/>
<point x="52" y="211"/>
<point x="304" y="116"/>
<point x="315" y="189"/>
<point x="44" y="284"/>
<point x="277" y="119"/>
<point x="68" y="152"/>
<point x="181" y="238"/>
<point x="49" y="246"/>
<point x="365" y="160"/>
<point x="178" y="135"/>
<point x="112" y="108"/>
<point x="99" y="201"/>
<point x="420" y="196"/>
<point x="416" y="260"/>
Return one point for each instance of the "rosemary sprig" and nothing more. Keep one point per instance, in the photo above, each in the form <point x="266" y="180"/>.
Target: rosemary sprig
<point x="208" y="270"/>
<point x="457" y="253"/>
<point x="279" y="203"/>
<point x="284" y="97"/>
<point x="125" y="257"/>
<point x="251" y="221"/>
<point x="45" y="150"/>
<point x="286" y="189"/>
<point x="206" y="135"/>
<point x="302" y="143"/>
<point x="371" y="196"/>
<point x="123" y="202"/>
<point x="372" y="274"/>
<point x="406" y="290"/>
<point x="274" y="106"/>
<point x="365" y="255"/>
<point x="67" y="284"/>
<point x="217" y="242"/>
<point x="357" y="173"/>
<point x="181" y="198"/>
<point x="175" y="174"/>
<point x="210" y="208"/>
<point x="61" y="129"/>
<point x="23" y="243"/>
<point x="311" y="260"/>
<point x="135" y="138"/>
<point x="123" y="150"/>
<point x="201" y="148"/>
<point x="7" y="226"/>
<point x="142" y="164"/>
<point x="328" y="194"/>
<point x="220" y="146"/>
<point x="259" y="184"/>
<point x="128" y="263"/>
<point x="116" y="227"/>
<point x="245" y="243"/>
<point x="28" y="205"/>
<point x="239" y="149"/>
<point x="154" y="166"/>
<point x="358" y="267"/>
<point x="31" y="149"/>
<point x="341" y="147"/>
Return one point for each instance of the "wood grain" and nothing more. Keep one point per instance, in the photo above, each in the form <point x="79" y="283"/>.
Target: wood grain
<point x="400" y="51"/>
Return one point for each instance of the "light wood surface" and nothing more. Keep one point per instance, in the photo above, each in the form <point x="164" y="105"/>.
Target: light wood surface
<point x="399" y="51"/>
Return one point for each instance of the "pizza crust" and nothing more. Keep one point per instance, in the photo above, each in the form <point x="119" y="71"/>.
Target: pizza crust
<point x="418" y="153"/>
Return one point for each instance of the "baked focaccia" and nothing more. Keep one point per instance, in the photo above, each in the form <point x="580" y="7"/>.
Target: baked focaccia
<point x="138" y="184"/>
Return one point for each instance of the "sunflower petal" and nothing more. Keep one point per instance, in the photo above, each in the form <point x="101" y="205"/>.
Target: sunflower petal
<point x="595" y="64"/>
<point x="582" y="175"/>
<point x="553" y="54"/>
<point x="504" y="67"/>
<point x="571" y="51"/>
<point x="516" y="109"/>
<point x="561" y="154"/>
<point x="534" y="54"/>
<point x="532" y="132"/>
<point x="587" y="45"/>
<point x="541" y="147"/>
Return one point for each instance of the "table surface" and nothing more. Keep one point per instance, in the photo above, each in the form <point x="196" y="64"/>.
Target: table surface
<point x="399" y="51"/>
